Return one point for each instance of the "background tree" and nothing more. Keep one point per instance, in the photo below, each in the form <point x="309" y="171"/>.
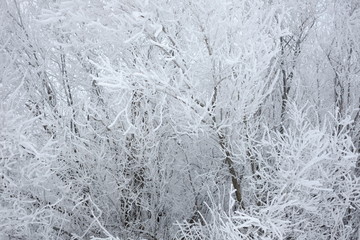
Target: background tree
<point x="179" y="120"/>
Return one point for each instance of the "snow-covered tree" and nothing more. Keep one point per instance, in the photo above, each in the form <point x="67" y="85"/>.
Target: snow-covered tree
<point x="179" y="119"/>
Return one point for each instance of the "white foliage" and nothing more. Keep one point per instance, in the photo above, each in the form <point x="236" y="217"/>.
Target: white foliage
<point x="179" y="119"/>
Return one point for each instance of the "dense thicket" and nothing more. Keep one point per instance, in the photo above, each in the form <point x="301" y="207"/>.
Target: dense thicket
<point x="179" y="119"/>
